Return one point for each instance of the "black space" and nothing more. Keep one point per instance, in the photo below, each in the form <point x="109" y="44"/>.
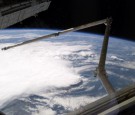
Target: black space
<point x="64" y="14"/>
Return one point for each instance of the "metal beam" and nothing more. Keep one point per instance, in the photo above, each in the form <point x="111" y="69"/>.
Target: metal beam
<point x="58" y="33"/>
<point x="101" y="72"/>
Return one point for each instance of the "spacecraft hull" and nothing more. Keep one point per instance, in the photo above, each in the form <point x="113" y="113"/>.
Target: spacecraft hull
<point x="10" y="15"/>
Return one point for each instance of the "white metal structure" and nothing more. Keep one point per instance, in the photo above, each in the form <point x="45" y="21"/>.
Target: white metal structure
<point x="10" y="15"/>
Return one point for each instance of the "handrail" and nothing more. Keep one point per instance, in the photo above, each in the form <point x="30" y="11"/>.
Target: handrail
<point x="106" y="102"/>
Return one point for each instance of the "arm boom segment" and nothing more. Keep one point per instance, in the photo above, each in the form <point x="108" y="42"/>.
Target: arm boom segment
<point x="58" y="33"/>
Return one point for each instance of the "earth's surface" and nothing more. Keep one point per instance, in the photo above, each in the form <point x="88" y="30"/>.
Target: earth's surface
<point x="55" y="76"/>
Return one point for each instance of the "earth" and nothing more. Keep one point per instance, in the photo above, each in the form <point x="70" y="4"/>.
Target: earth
<point x="56" y="76"/>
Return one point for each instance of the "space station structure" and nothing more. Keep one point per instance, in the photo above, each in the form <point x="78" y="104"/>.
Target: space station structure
<point x="14" y="11"/>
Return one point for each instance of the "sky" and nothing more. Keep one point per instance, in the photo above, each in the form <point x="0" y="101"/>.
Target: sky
<point x="69" y="13"/>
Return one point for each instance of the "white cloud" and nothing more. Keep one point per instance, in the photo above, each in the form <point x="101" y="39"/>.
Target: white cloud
<point x="30" y="68"/>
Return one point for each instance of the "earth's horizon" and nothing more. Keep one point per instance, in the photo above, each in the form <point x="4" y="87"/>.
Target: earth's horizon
<point x="50" y="76"/>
